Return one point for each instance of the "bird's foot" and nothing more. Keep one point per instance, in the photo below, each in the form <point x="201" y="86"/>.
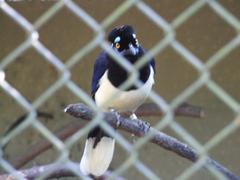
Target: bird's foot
<point x="117" y="116"/>
<point x="147" y="124"/>
<point x="133" y="116"/>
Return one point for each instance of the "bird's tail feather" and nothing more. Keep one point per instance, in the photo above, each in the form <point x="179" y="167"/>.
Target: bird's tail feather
<point x="98" y="153"/>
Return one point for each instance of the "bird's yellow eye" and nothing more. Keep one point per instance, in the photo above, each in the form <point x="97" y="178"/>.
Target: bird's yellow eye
<point x="117" y="45"/>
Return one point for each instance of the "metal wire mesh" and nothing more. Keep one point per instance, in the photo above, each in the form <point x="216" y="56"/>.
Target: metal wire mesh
<point x="64" y="79"/>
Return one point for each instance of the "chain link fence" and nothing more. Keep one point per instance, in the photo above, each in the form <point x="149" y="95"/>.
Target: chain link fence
<point x="170" y="31"/>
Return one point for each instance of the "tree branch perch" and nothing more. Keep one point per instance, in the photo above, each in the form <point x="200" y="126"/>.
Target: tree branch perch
<point x="147" y="109"/>
<point x="141" y="128"/>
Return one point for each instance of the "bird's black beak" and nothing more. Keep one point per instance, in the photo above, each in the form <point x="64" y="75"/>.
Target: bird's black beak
<point x="132" y="50"/>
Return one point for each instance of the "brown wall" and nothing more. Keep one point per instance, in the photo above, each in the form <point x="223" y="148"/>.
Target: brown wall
<point x="64" y="34"/>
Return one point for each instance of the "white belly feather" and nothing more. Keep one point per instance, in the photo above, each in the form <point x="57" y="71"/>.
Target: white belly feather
<point x="96" y="160"/>
<point x="108" y="96"/>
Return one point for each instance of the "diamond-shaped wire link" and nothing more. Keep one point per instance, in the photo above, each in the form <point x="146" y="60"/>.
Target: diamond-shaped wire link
<point x="168" y="120"/>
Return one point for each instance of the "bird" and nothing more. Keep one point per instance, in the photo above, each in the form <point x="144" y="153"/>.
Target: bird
<point x="107" y="78"/>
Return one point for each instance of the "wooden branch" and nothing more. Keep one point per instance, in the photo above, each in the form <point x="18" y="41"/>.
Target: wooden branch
<point x="185" y="109"/>
<point x="20" y="120"/>
<point x="44" y="145"/>
<point x="141" y="128"/>
<point x="55" y="170"/>
<point x="148" y="109"/>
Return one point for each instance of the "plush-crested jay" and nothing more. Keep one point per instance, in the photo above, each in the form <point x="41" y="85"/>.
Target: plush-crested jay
<point x="108" y="75"/>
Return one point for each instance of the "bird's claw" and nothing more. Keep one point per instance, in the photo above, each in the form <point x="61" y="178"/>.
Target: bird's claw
<point x="117" y="116"/>
<point x="147" y="124"/>
<point x="133" y="116"/>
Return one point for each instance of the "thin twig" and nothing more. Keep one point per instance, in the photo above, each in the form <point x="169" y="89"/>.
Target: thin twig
<point x="54" y="170"/>
<point x="23" y="117"/>
<point x="140" y="128"/>
<point x="185" y="109"/>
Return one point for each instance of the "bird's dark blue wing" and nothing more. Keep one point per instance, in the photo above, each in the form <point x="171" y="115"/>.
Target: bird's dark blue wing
<point x="100" y="67"/>
<point x="152" y="63"/>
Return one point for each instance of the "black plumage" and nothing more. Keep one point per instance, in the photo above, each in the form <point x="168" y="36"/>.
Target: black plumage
<point x="109" y="74"/>
<point x="116" y="73"/>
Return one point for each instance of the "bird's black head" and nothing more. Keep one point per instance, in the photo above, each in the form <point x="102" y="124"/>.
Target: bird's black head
<point x="124" y="40"/>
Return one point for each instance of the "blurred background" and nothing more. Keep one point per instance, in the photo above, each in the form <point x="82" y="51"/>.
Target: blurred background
<point x="204" y="33"/>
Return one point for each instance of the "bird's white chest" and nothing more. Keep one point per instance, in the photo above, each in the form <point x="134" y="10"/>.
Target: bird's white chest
<point x="108" y="96"/>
